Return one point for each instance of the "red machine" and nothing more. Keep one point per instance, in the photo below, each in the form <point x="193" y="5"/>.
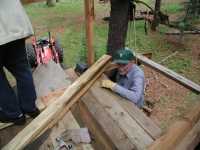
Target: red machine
<point x="43" y="50"/>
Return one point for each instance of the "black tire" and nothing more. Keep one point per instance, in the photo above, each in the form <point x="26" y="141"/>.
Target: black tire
<point x="31" y="55"/>
<point x="59" y="50"/>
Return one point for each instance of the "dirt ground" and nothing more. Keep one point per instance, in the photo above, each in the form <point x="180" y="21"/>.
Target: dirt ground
<point x="171" y="100"/>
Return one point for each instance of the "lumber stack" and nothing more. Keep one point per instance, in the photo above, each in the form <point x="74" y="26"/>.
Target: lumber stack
<point x="114" y="122"/>
<point x="57" y="109"/>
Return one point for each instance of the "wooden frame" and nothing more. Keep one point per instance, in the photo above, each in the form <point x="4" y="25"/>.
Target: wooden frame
<point x="171" y="74"/>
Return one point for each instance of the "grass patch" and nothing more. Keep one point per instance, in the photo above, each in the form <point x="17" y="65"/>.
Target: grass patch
<point x="47" y="18"/>
<point x="100" y="39"/>
<point x="179" y="64"/>
<point x="172" y="8"/>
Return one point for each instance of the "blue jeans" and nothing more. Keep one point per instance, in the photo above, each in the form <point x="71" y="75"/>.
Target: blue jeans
<point x="13" y="57"/>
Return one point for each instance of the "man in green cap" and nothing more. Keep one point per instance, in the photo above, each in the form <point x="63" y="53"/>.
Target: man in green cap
<point x="129" y="79"/>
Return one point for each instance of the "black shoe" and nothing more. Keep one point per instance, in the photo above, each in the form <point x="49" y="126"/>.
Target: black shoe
<point x="21" y="120"/>
<point x="33" y="114"/>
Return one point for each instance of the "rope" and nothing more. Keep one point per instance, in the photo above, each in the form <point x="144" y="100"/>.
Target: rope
<point x="130" y="35"/>
<point x="135" y="40"/>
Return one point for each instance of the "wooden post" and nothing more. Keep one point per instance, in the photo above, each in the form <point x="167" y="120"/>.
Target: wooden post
<point x="89" y="18"/>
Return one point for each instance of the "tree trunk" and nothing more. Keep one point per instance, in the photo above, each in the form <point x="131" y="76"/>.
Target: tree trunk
<point x="156" y="20"/>
<point x="51" y="3"/>
<point x="118" y="25"/>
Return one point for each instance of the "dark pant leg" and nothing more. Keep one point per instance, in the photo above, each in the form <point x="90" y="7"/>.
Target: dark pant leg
<point x="8" y="101"/>
<point x="17" y="64"/>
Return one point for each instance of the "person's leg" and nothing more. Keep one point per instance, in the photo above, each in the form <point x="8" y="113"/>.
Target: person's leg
<point x="9" y="106"/>
<point x="17" y="64"/>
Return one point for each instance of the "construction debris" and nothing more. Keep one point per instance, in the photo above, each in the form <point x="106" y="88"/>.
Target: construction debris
<point x="77" y="136"/>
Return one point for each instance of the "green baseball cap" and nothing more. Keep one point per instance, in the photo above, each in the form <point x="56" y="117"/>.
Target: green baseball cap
<point x="123" y="56"/>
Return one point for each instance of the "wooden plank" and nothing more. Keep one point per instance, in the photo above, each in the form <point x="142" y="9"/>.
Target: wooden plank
<point x="101" y="141"/>
<point x="177" y="131"/>
<point x="107" y="133"/>
<point x="75" y="98"/>
<point x="133" y="131"/>
<point x="145" y="122"/>
<point x="89" y="18"/>
<point x="171" y="74"/>
<point x="39" y="124"/>
<point x="191" y="140"/>
<point x="116" y="135"/>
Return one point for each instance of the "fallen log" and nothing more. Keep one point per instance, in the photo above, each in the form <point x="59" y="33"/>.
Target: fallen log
<point x="177" y="131"/>
<point x="49" y="116"/>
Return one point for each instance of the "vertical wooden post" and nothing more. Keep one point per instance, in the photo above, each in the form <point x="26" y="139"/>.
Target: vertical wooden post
<point x="89" y="19"/>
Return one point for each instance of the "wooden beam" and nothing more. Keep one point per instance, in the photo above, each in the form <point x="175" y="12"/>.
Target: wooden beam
<point x="191" y="140"/>
<point x="70" y="96"/>
<point x="171" y="74"/>
<point x="145" y="122"/>
<point x="133" y="131"/>
<point x="177" y="131"/>
<point x="89" y="19"/>
<point x="101" y="140"/>
<point x="107" y="134"/>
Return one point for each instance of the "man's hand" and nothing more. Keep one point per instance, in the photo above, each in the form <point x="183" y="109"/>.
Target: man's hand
<point x="108" y="84"/>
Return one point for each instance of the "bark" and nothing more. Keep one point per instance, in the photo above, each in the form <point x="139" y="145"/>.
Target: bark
<point x="118" y="25"/>
<point x="156" y="20"/>
<point x="51" y="3"/>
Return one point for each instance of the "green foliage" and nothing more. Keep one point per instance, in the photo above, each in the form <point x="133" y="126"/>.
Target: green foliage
<point x="172" y="8"/>
<point x="192" y="9"/>
<point x="193" y="97"/>
<point x="73" y="42"/>
<point x="184" y="25"/>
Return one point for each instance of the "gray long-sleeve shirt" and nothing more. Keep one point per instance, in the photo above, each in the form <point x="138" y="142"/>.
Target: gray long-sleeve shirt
<point x="14" y="23"/>
<point x="131" y="86"/>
